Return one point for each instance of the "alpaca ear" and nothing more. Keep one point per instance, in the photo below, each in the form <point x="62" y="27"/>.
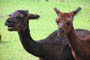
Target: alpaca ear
<point x="76" y="11"/>
<point x="57" y="11"/>
<point x="33" y="16"/>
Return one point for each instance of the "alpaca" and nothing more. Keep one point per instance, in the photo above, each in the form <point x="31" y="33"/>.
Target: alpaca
<point x="80" y="46"/>
<point x="51" y="48"/>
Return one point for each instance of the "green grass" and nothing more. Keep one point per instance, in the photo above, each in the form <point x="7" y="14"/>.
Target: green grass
<point x="11" y="48"/>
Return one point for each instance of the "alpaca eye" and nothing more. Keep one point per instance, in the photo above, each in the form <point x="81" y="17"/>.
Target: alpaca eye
<point x="68" y="23"/>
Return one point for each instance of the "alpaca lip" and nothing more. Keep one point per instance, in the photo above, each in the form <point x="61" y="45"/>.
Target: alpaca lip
<point x="10" y="28"/>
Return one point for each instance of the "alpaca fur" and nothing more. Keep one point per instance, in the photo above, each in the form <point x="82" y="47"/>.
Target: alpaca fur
<point x="80" y="46"/>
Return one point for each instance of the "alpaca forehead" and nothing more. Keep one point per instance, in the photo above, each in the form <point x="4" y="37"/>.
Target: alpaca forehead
<point x="64" y="19"/>
<point x="16" y="13"/>
<point x="64" y="16"/>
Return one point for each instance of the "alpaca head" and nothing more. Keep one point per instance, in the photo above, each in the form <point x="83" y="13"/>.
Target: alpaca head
<point x="65" y="20"/>
<point x="18" y="20"/>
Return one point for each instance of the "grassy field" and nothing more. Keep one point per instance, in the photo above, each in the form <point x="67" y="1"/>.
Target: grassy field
<point x="10" y="46"/>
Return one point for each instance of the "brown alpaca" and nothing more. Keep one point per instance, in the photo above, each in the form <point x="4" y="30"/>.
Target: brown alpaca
<point x="80" y="47"/>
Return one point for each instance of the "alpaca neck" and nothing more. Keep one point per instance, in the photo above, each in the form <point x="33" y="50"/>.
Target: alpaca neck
<point x="73" y="40"/>
<point x="79" y="46"/>
<point x="29" y="44"/>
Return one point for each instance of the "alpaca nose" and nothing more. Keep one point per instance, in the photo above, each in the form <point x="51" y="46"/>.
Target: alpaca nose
<point x="61" y="30"/>
<point x="8" y="22"/>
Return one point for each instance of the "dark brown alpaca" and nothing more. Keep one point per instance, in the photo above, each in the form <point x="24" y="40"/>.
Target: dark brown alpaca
<point x="80" y="46"/>
<point x="51" y="48"/>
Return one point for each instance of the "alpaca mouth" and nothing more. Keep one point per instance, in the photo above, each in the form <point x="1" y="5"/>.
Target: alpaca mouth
<point x="10" y="29"/>
<point x="60" y="33"/>
<point x="10" y="26"/>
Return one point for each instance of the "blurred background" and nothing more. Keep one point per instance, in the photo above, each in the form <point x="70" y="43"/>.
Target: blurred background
<point x="10" y="45"/>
